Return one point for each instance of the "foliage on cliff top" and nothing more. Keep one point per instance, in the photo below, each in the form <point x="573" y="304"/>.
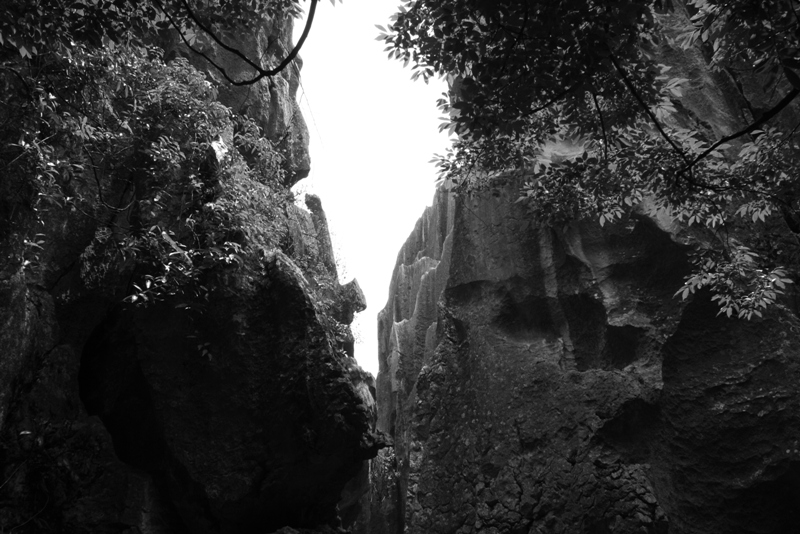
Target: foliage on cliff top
<point x="127" y="152"/>
<point x="55" y="26"/>
<point x="37" y="27"/>
<point x="117" y="141"/>
<point x="530" y="79"/>
<point x="130" y="166"/>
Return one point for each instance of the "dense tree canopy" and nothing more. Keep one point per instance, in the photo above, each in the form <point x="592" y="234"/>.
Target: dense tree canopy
<point x="35" y="27"/>
<point x="57" y="25"/>
<point x="574" y="96"/>
<point x="100" y="130"/>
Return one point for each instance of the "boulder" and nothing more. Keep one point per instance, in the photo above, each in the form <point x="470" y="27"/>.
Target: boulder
<point x="245" y="415"/>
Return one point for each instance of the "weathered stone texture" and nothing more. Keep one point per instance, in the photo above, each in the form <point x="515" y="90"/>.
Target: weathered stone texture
<point x="547" y="381"/>
<point x="237" y="414"/>
<point x="566" y="390"/>
<point x="270" y="101"/>
<point x="259" y="429"/>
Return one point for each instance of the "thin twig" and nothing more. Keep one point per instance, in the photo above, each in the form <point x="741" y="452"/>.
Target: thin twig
<point x="262" y="73"/>
<point x="551" y="101"/>
<point x="100" y="187"/>
<point x="517" y="40"/>
<point x="217" y="40"/>
<point x="13" y="473"/>
<point x="646" y="108"/>
<point x="764" y="118"/>
<point x="18" y="75"/>
<point x="602" y="125"/>
<point x="33" y="517"/>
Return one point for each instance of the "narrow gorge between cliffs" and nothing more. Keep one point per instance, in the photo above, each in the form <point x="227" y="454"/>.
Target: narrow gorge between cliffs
<point x="176" y="351"/>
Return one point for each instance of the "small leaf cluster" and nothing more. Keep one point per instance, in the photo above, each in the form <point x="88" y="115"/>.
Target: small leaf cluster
<point x="738" y="282"/>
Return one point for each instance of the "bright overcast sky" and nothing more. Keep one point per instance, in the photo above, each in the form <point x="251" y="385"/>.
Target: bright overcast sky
<point x="373" y="132"/>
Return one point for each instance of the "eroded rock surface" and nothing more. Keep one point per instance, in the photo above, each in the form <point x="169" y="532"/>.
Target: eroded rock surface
<point x="271" y="100"/>
<point x="233" y="409"/>
<point x="540" y="380"/>
<point x="547" y="381"/>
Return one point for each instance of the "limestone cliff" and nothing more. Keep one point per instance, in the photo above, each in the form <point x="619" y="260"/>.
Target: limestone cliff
<point x="233" y="407"/>
<point x="539" y="380"/>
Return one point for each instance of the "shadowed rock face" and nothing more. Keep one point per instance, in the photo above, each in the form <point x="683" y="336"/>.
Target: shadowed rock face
<point x="541" y="381"/>
<point x="242" y="413"/>
<point x="262" y="431"/>
<point x="547" y="381"/>
<point x="243" y="418"/>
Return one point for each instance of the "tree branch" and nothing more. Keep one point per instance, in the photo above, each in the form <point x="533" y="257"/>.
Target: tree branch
<point x="517" y="40"/>
<point x="680" y="173"/>
<point x="602" y="125"/>
<point x="551" y="101"/>
<point x="760" y="122"/>
<point x="262" y="73"/>
<point x="210" y="33"/>
<point x="18" y="75"/>
<point x="646" y="108"/>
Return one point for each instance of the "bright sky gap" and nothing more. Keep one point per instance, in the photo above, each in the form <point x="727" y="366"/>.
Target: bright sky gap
<point x="373" y="133"/>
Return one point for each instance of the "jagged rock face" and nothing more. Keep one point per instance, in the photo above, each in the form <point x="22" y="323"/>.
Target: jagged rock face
<point x="558" y="387"/>
<point x="547" y="381"/>
<point x="241" y="413"/>
<point x="242" y="418"/>
<point x="259" y="429"/>
<point x="271" y="100"/>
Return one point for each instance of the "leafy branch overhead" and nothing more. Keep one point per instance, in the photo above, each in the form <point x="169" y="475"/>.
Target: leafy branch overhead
<point x="163" y="186"/>
<point x="572" y="96"/>
<point x="52" y="25"/>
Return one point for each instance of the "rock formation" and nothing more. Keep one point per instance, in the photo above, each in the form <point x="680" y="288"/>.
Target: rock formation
<point x="232" y="409"/>
<point x="539" y="380"/>
<point x="547" y="381"/>
<point x="270" y="101"/>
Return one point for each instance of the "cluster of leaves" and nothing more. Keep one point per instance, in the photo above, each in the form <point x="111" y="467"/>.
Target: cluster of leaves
<point x="738" y="283"/>
<point x="327" y="295"/>
<point x="137" y="149"/>
<point x="321" y="269"/>
<point x="748" y="34"/>
<point x="570" y="95"/>
<point x="509" y="60"/>
<point x="44" y="26"/>
<point x="166" y="191"/>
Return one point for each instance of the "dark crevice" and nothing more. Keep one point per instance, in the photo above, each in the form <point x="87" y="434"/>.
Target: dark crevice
<point x="631" y="431"/>
<point x="525" y="318"/>
<point x="586" y="319"/>
<point x="520" y="316"/>
<point x="598" y="345"/>
<point x="113" y="387"/>
<point x="620" y="346"/>
<point x="776" y="502"/>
